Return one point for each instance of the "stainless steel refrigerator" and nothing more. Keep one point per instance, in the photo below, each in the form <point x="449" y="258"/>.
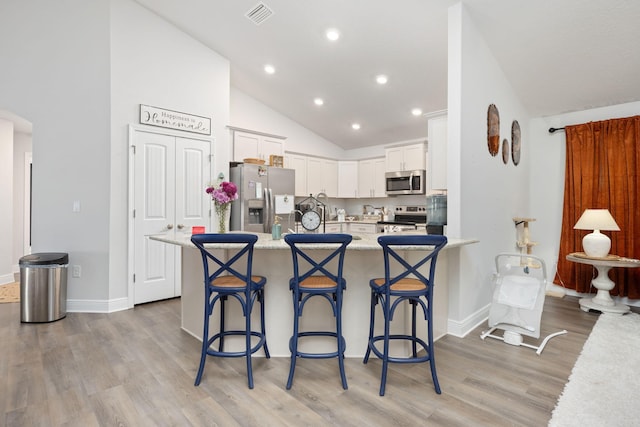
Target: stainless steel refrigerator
<point x="263" y="193"/>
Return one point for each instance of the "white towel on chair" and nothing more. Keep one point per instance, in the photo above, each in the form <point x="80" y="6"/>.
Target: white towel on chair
<point x="518" y="291"/>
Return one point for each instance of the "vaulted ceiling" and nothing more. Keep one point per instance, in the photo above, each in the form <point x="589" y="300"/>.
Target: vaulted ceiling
<point x="559" y="56"/>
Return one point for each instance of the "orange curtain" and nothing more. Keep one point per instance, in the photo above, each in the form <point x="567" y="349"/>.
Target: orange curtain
<point x="601" y="171"/>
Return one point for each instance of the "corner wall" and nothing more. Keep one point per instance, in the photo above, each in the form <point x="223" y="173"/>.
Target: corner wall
<point x="21" y="146"/>
<point x="6" y="196"/>
<point x="57" y="78"/>
<point x="154" y="63"/>
<point x="484" y="193"/>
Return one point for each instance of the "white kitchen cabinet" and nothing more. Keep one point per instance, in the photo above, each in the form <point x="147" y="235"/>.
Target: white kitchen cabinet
<point x="406" y="157"/>
<point x="437" y="136"/>
<point x="335" y="228"/>
<point x="256" y="145"/>
<point x="359" y="227"/>
<point x="322" y="176"/>
<point x="348" y="178"/>
<point x="371" y="181"/>
<point x="298" y="162"/>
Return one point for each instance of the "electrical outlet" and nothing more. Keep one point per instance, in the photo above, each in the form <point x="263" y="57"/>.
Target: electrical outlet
<point x="76" y="271"/>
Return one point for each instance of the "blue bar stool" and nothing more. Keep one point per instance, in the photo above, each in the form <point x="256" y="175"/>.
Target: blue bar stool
<point x="314" y="277"/>
<point x="406" y="283"/>
<point x="231" y="278"/>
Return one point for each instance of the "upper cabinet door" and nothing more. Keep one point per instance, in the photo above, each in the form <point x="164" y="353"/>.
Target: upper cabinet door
<point x="348" y="178"/>
<point x="394" y="159"/>
<point x="371" y="180"/>
<point x="245" y="146"/>
<point x="406" y="157"/>
<point x="271" y="147"/>
<point x="256" y="146"/>
<point x="330" y="177"/>
<point x="415" y="157"/>
<point x="314" y="176"/>
<point x="298" y="162"/>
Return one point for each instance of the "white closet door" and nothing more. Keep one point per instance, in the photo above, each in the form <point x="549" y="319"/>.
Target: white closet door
<point x="170" y="178"/>
<point x="192" y="203"/>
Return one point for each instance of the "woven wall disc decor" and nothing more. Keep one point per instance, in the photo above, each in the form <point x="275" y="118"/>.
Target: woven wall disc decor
<point x="493" y="130"/>
<point x="515" y="142"/>
<point x="505" y="151"/>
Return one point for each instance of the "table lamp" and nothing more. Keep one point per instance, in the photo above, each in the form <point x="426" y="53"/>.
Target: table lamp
<point x="596" y="244"/>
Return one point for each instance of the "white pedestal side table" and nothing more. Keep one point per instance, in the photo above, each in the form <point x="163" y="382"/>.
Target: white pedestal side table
<point x="602" y="301"/>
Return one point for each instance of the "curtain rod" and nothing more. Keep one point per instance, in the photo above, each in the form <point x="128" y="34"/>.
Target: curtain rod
<point x="552" y="130"/>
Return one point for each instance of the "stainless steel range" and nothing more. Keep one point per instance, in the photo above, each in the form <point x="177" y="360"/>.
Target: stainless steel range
<point x="405" y="218"/>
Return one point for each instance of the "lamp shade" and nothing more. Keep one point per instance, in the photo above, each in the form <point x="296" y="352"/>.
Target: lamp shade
<point x="596" y="244"/>
<point x="596" y="219"/>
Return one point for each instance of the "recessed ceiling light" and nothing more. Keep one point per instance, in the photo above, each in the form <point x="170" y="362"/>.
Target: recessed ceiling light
<point x="269" y="69"/>
<point x="382" y="79"/>
<point x="355" y="126"/>
<point x="318" y="101"/>
<point x="333" y="34"/>
<point x="416" y="112"/>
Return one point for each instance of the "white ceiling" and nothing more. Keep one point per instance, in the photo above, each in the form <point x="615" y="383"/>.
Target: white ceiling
<point x="559" y="56"/>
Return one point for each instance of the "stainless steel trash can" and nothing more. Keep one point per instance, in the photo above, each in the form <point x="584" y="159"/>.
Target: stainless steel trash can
<point x="43" y="287"/>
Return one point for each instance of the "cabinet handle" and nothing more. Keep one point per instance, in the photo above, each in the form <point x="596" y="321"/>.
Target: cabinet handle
<point x="180" y="226"/>
<point x="169" y="226"/>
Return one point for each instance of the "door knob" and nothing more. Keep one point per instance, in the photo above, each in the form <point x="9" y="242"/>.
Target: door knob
<point x="169" y="226"/>
<point x="180" y="226"/>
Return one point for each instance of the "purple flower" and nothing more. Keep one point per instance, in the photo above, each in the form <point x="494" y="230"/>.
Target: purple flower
<point x="229" y="188"/>
<point x="225" y="193"/>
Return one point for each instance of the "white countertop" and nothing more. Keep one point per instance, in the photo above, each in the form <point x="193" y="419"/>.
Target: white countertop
<point x="360" y="242"/>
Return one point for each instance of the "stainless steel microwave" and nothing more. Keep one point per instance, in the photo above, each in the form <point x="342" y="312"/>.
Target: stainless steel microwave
<point x="405" y="182"/>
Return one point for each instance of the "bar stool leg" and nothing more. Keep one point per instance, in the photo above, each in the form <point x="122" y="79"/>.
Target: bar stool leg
<point x="262" y="328"/>
<point x="372" y="318"/>
<point x="293" y="342"/>
<point x="385" y="358"/>
<point x="341" y="341"/>
<point x="413" y="327"/>
<point x="205" y="341"/>
<point x="247" y="320"/>
<point x="223" y="300"/>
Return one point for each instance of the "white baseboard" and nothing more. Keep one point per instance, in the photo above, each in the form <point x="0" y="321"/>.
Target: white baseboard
<point x="6" y="278"/>
<point x="461" y="328"/>
<point x="97" y="306"/>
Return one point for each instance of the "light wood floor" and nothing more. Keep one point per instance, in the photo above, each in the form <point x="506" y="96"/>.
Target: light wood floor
<point x="136" y="368"/>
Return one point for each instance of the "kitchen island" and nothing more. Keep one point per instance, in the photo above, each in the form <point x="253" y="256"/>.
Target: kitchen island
<point x="272" y="259"/>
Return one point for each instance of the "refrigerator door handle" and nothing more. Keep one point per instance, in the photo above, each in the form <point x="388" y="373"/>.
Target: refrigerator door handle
<point x="267" y="208"/>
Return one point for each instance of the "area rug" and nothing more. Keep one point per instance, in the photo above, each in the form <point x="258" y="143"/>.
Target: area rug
<point x="10" y="292"/>
<point x="604" y="383"/>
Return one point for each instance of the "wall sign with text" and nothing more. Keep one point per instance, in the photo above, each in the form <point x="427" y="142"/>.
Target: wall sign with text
<point x="174" y="120"/>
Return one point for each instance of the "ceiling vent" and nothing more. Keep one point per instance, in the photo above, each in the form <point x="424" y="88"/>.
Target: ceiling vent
<point x="259" y="13"/>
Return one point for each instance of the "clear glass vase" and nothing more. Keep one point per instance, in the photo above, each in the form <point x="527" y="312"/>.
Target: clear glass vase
<point x="221" y="211"/>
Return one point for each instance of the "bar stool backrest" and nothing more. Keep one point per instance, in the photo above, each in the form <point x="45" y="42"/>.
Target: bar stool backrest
<point x="244" y="242"/>
<point x="301" y="242"/>
<point x="393" y="258"/>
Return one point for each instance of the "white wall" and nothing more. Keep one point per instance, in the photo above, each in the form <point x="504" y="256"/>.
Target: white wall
<point x="21" y="147"/>
<point x="154" y="63"/>
<point x="484" y="193"/>
<point x="548" y="156"/>
<point x="6" y="195"/>
<point x="79" y="73"/>
<point x="248" y="113"/>
<point x="58" y="79"/>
